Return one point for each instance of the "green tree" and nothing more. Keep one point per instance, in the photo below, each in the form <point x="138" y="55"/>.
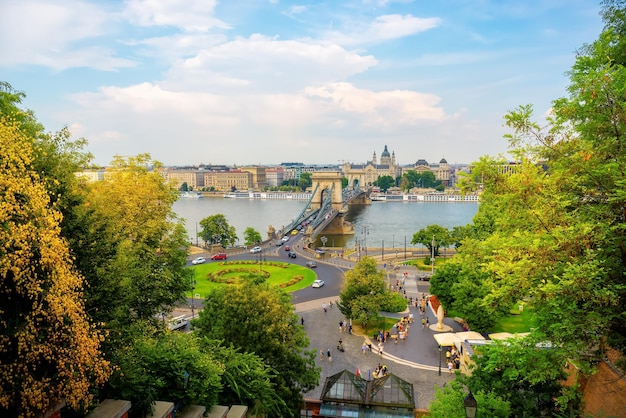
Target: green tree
<point x="49" y="349"/>
<point x="433" y="237"/>
<point x="409" y="180"/>
<point x="448" y="402"/>
<point x="305" y="181"/>
<point x="172" y="366"/>
<point x="257" y="318"/>
<point x="522" y="372"/>
<point x="184" y="187"/>
<point x="344" y="182"/>
<point x="428" y="180"/>
<point x="364" y="283"/>
<point x="146" y="272"/>
<point x="385" y="182"/>
<point x="216" y="231"/>
<point x="251" y="236"/>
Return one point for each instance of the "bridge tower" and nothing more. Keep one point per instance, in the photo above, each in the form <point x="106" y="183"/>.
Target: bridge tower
<point x="325" y="180"/>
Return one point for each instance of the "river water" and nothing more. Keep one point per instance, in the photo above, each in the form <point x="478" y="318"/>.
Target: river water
<point x="382" y="224"/>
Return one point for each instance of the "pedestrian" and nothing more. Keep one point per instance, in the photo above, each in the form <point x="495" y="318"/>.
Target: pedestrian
<point x="302" y="320"/>
<point x="427" y="322"/>
<point x="364" y="348"/>
<point x="321" y="354"/>
<point x="358" y="372"/>
<point x="380" y="351"/>
<point x="350" y="329"/>
<point x="423" y="323"/>
<point x="341" y="326"/>
<point x="450" y="366"/>
<point x="330" y="359"/>
<point x="324" y="306"/>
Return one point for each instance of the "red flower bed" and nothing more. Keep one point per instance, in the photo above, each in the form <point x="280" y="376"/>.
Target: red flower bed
<point x="434" y="302"/>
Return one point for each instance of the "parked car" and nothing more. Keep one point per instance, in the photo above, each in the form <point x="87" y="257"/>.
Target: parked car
<point x="311" y="264"/>
<point x="286" y="238"/>
<point x="292" y="254"/>
<point x="198" y="260"/>
<point x="219" y="256"/>
<point x="287" y="248"/>
<point x="294" y="232"/>
<point x="279" y="243"/>
<point x="318" y="283"/>
<point x="255" y="250"/>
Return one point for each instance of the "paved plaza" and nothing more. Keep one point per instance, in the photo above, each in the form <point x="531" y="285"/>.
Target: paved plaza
<point x="415" y="360"/>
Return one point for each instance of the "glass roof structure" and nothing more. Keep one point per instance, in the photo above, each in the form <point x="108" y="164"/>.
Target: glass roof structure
<point x="347" y="395"/>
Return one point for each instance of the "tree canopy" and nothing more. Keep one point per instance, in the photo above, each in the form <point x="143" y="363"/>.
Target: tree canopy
<point x="216" y="231"/>
<point x="433" y="237"/>
<point x="257" y="318"/>
<point x="251" y="236"/>
<point x="49" y="348"/>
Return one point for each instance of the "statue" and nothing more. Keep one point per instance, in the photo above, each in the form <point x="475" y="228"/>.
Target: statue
<point x="440" y="317"/>
<point x="271" y="232"/>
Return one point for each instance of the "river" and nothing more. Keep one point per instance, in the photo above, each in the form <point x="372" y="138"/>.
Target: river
<point x="382" y="224"/>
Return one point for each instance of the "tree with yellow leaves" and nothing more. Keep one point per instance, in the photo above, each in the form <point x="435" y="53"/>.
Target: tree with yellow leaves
<point x="49" y="350"/>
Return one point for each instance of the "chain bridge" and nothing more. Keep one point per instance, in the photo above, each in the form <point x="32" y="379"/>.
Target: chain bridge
<point x="325" y="211"/>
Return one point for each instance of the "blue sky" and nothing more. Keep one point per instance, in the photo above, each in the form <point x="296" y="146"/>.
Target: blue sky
<point x="268" y="81"/>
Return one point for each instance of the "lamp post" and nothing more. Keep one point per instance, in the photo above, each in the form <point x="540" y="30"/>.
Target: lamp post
<point x="439" y="360"/>
<point x="405" y="248"/>
<point x="432" y="258"/>
<point x="383" y="251"/>
<point x="193" y="301"/>
<point x="365" y="232"/>
<point x="470" y="405"/>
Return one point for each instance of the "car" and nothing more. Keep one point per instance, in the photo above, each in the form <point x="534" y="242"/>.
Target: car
<point x="318" y="283"/>
<point x="291" y="254"/>
<point x="198" y="260"/>
<point x="279" y="243"/>
<point x="287" y="248"/>
<point x="286" y="238"/>
<point x="311" y="264"/>
<point x="255" y="250"/>
<point x="294" y="232"/>
<point x="219" y="256"/>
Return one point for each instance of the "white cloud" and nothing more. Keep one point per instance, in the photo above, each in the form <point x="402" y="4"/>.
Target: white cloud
<point x="384" y="108"/>
<point x="261" y="63"/>
<point x="55" y="34"/>
<point x="189" y="15"/>
<point x="383" y="28"/>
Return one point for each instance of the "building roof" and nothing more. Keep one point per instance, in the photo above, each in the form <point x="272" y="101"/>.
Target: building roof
<point x="388" y="391"/>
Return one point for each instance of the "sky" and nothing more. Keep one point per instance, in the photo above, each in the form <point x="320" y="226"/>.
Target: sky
<point x="241" y="82"/>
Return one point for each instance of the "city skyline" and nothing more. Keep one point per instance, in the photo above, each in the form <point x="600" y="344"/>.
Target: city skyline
<point x="243" y="83"/>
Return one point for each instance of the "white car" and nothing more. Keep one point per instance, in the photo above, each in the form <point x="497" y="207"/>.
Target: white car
<point x="318" y="283"/>
<point x="286" y="238"/>
<point x="255" y="250"/>
<point x="198" y="260"/>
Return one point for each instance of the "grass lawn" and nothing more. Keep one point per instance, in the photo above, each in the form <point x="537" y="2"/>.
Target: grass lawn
<point x="279" y="273"/>
<point x="419" y="263"/>
<point x="518" y="321"/>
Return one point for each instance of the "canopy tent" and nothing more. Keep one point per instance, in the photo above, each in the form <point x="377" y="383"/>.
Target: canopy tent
<point x="506" y="335"/>
<point x="469" y="335"/>
<point x="446" y="339"/>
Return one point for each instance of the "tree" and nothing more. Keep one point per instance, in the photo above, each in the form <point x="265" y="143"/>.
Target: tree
<point x="184" y="187"/>
<point x="432" y="237"/>
<point x="525" y="374"/>
<point x="448" y="402"/>
<point x="257" y="318"/>
<point x="409" y="180"/>
<point x="146" y="273"/>
<point x="251" y="236"/>
<point x="344" y="182"/>
<point x="49" y="349"/>
<point x="305" y="181"/>
<point x="216" y="231"/>
<point x="385" y="182"/>
<point x="361" y="290"/>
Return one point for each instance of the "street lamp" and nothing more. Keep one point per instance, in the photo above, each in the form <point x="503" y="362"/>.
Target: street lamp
<point x="470" y="405"/>
<point x="439" y="360"/>
<point x="193" y="301"/>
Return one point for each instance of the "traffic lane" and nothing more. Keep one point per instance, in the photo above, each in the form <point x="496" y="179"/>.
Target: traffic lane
<point x="333" y="280"/>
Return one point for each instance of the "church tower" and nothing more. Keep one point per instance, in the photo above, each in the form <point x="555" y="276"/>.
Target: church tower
<point x="374" y="158"/>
